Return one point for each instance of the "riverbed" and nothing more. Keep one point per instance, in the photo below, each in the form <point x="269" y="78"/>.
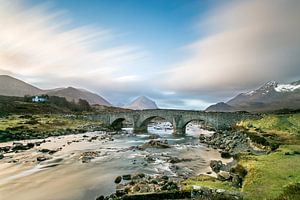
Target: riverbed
<point x="84" y="166"/>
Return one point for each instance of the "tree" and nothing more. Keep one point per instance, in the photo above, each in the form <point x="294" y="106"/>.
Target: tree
<point x="84" y="105"/>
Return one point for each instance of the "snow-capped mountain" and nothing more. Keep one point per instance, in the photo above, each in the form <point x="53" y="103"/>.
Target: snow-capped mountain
<point x="270" y="96"/>
<point x="288" y="87"/>
<point x="142" y="103"/>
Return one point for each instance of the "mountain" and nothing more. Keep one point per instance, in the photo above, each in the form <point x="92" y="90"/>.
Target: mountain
<point x="10" y="86"/>
<point x="224" y="107"/>
<point x="74" y="94"/>
<point x="269" y="97"/>
<point x="142" y="103"/>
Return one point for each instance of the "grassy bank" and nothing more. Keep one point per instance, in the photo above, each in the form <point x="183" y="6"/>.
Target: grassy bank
<point x="207" y="181"/>
<point x="273" y="176"/>
<point x="18" y="127"/>
<point x="269" y="175"/>
<point x="277" y="174"/>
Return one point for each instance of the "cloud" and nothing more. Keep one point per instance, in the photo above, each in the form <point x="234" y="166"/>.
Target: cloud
<point x="42" y="45"/>
<point x="246" y="44"/>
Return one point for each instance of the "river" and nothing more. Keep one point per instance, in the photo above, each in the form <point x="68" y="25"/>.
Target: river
<point x="68" y="175"/>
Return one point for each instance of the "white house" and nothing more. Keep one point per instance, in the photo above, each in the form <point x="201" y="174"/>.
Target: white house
<point x="38" y="99"/>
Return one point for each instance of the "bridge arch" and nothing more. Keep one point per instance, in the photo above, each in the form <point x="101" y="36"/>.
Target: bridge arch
<point x="204" y="124"/>
<point x="178" y="118"/>
<point x="117" y="124"/>
<point x="142" y="126"/>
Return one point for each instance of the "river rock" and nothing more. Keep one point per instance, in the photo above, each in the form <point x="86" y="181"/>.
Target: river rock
<point x="118" y="179"/>
<point x="149" y="158"/>
<point x="225" y="154"/>
<point x="41" y="158"/>
<point x="155" y="144"/>
<point x="100" y="197"/>
<point x="18" y="146"/>
<point x="174" y="160"/>
<point x="126" y="177"/>
<point x="216" y="165"/>
<point x="237" y="181"/>
<point x="135" y="189"/>
<point x="153" y="136"/>
<point x="86" y="157"/>
<point x="5" y="149"/>
<point x="223" y="175"/>
<point x="138" y="176"/>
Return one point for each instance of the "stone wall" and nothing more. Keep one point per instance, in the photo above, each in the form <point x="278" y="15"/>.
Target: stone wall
<point x="178" y="118"/>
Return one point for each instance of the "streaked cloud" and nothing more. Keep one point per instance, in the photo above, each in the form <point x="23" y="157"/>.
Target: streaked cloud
<point x="241" y="45"/>
<point x="246" y="44"/>
<point x="41" y="44"/>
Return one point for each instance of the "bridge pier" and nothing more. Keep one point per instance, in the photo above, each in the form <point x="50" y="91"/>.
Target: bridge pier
<point x="178" y="131"/>
<point x="141" y="129"/>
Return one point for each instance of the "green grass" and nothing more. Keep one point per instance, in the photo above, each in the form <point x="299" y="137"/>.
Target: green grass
<point x="280" y="129"/>
<point x="18" y="127"/>
<point x="207" y="181"/>
<point x="279" y="124"/>
<point x="275" y="175"/>
<point x="268" y="175"/>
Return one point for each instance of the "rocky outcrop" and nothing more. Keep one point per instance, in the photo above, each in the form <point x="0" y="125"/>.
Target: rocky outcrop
<point x="155" y="144"/>
<point x="86" y="157"/>
<point x="133" y="186"/>
<point x="205" y="193"/>
<point x="229" y="142"/>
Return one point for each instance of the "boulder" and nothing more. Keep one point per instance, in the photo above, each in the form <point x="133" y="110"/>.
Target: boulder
<point x="216" y="165"/>
<point x="223" y="175"/>
<point x="118" y="179"/>
<point x="100" y="197"/>
<point x="18" y="146"/>
<point x="41" y="158"/>
<point x="225" y="154"/>
<point x="126" y="177"/>
<point x="5" y="149"/>
<point x="174" y="160"/>
<point x="138" y="176"/>
<point x="155" y="144"/>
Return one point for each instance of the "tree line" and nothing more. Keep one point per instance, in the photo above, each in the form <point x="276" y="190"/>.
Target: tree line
<point x="80" y="106"/>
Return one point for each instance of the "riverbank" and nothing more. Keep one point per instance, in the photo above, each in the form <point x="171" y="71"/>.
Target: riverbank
<point x="23" y="127"/>
<point x="266" y="165"/>
<point x="268" y="169"/>
<point x="82" y="166"/>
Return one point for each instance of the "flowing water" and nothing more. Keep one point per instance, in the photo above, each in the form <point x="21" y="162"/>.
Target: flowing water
<point x="64" y="176"/>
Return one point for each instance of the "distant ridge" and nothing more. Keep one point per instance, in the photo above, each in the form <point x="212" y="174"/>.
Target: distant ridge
<point x="142" y="103"/>
<point x="10" y="86"/>
<point x="74" y="94"/>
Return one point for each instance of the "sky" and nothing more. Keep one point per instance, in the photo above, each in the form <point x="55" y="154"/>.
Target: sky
<point x="183" y="54"/>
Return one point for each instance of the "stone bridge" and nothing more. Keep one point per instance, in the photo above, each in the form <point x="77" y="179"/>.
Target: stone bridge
<point x="178" y="118"/>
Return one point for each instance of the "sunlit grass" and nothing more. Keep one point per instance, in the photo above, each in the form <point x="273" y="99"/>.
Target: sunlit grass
<point x="40" y="126"/>
<point x="206" y="181"/>
<point x="268" y="175"/>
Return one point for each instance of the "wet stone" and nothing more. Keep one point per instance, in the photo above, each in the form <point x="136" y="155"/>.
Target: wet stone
<point x="126" y="177"/>
<point x="118" y="179"/>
